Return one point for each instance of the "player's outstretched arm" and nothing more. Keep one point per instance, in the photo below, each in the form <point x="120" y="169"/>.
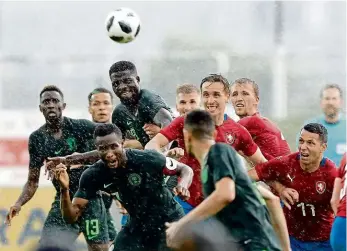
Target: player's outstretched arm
<point x="277" y="217"/>
<point x="70" y="210"/>
<point x="74" y="159"/>
<point x="157" y="143"/>
<point x="335" y="198"/>
<point x="185" y="174"/>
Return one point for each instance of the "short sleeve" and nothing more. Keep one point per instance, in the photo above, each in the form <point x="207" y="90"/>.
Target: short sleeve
<point x="154" y="159"/>
<point x="153" y="103"/>
<point x="342" y="167"/>
<point x="223" y="162"/>
<point x="271" y="170"/>
<point x="88" y="185"/>
<point x="174" y="130"/>
<point x="246" y="145"/>
<point x="36" y="159"/>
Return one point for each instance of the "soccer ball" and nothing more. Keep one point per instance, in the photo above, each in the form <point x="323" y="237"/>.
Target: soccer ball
<point x="123" y="25"/>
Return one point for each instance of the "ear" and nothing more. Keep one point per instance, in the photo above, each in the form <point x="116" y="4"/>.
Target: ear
<point x="138" y="79"/>
<point x="324" y="146"/>
<point x="64" y="106"/>
<point x="40" y="108"/>
<point x="89" y="109"/>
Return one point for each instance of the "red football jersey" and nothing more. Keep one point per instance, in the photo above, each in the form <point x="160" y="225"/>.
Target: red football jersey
<point x="341" y="210"/>
<point x="311" y="218"/>
<point x="229" y="132"/>
<point x="266" y="135"/>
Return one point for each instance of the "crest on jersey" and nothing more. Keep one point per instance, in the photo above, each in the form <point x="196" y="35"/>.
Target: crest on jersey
<point x="134" y="179"/>
<point x="229" y="138"/>
<point x="320" y="187"/>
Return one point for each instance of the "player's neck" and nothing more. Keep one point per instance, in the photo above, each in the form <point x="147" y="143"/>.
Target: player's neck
<point x="312" y="167"/>
<point x="218" y="119"/>
<point x="332" y="119"/>
<point x="56" y="126"/>
<point x="133" y="108"/>
<point x="202" y="149"/>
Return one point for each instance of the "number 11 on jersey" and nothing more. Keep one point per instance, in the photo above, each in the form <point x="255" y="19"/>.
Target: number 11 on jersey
<point x="305" y="207"/>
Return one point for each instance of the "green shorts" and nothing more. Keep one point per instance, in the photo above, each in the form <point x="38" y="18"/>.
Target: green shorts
<point x="93" y="223"/>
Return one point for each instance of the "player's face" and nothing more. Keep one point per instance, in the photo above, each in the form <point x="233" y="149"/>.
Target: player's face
<point x="100" y="107"/>
<point x="214" y="98"/>
<point x="110" y="148"/>
<point x="244" y="100"/>
<point x="310" y="147"/>
<point x="331" y="102"/>
<point x="126" y="86"/>
<point x="52" y="106"/>
<point x="186" y="102"/>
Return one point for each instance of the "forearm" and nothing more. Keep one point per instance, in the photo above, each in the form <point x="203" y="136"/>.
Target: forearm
<point x="82" y="158"/>
<point x="69" y="212"/>
<point x="186" y="176"/>
<point x="278" y="221"/>
<point x="209" y="207"/>
<point x="28" y="192"/>
<point x="277" y="186"/>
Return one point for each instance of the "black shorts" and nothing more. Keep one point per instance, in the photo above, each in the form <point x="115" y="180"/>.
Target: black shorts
<point x="145" y="235"/>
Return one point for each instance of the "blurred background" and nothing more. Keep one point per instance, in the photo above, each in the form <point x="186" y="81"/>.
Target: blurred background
<point x="291" y="49"/>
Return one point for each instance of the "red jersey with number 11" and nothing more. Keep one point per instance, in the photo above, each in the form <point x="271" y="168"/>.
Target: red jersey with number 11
<point x="311" y="218"/>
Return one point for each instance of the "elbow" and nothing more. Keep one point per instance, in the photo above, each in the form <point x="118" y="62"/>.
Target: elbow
<point x="68" y="219"/>
<point x="226" y="197"/>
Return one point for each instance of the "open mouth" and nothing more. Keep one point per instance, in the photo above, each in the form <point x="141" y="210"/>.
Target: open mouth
<point x="211" y="108"/>
<point x="112" y="164"/>
<point x="240" y="105"/>
<point x="304" y="155"/>
<point x="52" y="115"/>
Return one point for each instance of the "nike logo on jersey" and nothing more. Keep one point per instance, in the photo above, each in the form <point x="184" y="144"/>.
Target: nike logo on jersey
<point x="106" y="186"/>
<point x="291" y="179"/>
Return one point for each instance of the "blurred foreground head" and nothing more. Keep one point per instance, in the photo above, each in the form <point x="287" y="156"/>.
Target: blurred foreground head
<point x="208" y="235"/>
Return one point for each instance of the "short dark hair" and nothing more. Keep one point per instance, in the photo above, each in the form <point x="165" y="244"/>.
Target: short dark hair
<point x="242" y="81"/>
<point x="331" y="86"/>
<point x="187" y="89"/>
<point x="123" y="66"/>
<point x="200" y="123"/>
<point x="102" y="130"/>
<point x="99" y="90"/>
<point x="317" y="129"/>
<point x="51" y="88"/>
<point x="215" y="78"/>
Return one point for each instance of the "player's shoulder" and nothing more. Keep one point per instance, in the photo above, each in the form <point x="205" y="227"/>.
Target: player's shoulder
<point x="38" y="133"/>
<point x="179" y="120"/>
<point x="328" y="164"/>
<point x="94" y="169"/>
<point x="149" y="98"/>
<point x="220" y="148"/>
<point x="142" y="156"/>
<point x="79" y="122"/>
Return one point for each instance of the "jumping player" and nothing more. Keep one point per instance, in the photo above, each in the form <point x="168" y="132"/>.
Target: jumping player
<point x="309" y="177"/>
<point x="268" y="137"/>
<point x="135" y="178"/>
<point x="229" y="193"/>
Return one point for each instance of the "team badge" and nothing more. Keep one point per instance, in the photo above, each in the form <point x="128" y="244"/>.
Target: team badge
<point x="320" y="187"/>
<point x="134" y="179"/>
<point x="229" y="138"/>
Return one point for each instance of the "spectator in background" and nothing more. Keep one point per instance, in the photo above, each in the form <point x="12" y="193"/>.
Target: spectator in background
<point x="334" y="120"/>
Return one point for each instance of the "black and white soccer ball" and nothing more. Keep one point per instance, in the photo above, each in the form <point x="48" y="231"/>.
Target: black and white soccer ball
<point x="123" y="25"/>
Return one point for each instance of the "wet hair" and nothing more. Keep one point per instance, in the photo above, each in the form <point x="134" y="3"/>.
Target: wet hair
<point x="215" y="78"/>
<point x="123" y="66"/>
<point x="99" y="90"/>
<point x="187" y="89"/>
<point x="200" y="124"/>
<point x="242" y="81"/>
<point x="331" y="86"/>
<point x="102" y="130"/>
<point x="317" y="129"/>
<point x="51" y="88"/>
